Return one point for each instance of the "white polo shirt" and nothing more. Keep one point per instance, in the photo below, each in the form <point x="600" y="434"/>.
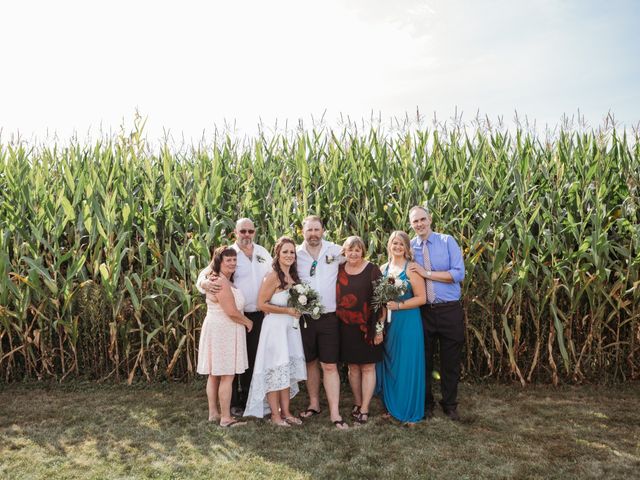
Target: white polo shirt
<point x="326" y="274"/>
<point x="248" y="276"/>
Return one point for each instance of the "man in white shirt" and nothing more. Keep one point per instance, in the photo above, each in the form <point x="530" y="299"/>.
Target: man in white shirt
<point x="254" y="262"/>
<point x="318" y="261"/>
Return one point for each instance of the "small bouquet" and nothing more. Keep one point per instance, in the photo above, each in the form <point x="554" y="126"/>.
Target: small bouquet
<point x="387" y="289"/>
<point x="306" y="300"/>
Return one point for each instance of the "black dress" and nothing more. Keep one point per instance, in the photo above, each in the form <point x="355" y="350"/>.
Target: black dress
<point x="357" y="317"/>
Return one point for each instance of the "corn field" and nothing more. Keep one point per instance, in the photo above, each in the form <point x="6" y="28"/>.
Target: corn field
<point x="101" y="243"/>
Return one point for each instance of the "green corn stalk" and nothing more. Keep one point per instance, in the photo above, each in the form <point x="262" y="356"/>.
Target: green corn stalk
<point x="100" y="244"/>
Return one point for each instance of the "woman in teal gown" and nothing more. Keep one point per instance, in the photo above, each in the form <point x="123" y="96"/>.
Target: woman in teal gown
<point x="401" y="374"/>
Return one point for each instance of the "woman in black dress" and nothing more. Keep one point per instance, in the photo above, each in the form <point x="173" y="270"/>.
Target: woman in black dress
<point x="360" y="337"/>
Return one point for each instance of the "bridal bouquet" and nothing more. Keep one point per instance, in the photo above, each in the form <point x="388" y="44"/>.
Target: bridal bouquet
<point x="387" y="289"/>
<point x="306" y="300"/>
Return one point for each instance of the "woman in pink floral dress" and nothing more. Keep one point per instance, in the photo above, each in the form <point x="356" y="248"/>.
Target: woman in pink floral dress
<point x="222" y="351"/>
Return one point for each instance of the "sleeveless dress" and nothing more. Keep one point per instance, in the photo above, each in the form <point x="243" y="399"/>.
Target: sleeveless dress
<point x="222" y="349"/>
<point x="400" y="377"/>
<point x="280" y="359"/>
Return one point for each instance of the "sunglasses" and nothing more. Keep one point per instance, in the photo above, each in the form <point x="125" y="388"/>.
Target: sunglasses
<point x="244" y="231"/>
<point x="314" y="265"/>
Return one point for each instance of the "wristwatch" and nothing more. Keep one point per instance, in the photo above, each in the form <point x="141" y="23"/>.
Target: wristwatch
<point x="428" y="273"/>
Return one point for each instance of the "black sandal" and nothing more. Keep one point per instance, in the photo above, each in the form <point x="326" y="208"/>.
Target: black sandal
<point x="309" y="412"/>
<point x="362" y="418"/>
<point x="341" y="423"/>
<point x="355" y="411"/>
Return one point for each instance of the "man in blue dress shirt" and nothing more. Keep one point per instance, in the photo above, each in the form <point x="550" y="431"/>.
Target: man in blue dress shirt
<point x="439" y="261"/>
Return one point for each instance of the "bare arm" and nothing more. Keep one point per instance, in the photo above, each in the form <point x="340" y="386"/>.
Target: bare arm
<point x="228" y="303"/>
<point x="207" y="282"/>
<point x="202" y="279"/>
<point x="419" y="291"/>
<point x="267" y="289"/>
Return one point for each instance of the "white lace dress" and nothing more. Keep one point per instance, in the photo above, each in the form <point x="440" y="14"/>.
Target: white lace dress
<point x="279" y="361"/>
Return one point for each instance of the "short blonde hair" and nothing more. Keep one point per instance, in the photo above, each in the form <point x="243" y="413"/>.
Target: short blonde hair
<point x="408" y="254"/>
<point x="353" y="241"/>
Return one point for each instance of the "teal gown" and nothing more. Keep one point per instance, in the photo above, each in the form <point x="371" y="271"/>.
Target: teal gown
<point x="400" y="377"/>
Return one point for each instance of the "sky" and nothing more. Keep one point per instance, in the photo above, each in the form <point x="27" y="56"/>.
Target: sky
<point x="189" y="67"/>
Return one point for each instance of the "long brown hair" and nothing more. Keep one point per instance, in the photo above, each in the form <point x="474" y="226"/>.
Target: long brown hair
<point x="218" y="254"/>
<point x="293" y="270"/>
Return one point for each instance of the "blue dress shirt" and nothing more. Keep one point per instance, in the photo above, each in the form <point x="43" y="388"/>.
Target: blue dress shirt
<point x="445" y="256"/>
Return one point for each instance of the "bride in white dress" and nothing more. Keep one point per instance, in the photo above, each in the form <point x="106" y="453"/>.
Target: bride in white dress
<point x="280" y="362"/>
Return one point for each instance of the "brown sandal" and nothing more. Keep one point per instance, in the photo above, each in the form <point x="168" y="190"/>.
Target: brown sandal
<point x="232" y="424"/>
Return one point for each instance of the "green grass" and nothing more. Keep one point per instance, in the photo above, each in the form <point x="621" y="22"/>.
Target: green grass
<point x="81" y="430"/>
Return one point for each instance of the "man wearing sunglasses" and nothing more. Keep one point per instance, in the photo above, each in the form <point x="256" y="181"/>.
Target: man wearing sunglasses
<point x="318" y="261"/>
<point x="254" y="262"/>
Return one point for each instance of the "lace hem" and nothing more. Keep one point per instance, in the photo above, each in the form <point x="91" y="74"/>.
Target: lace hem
<point x="273" y="379"/>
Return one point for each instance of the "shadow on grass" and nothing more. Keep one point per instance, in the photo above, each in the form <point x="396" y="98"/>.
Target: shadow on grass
<point x="102" y="431"/>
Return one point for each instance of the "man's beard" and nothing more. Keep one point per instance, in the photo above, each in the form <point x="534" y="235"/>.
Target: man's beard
<point x="314" y="241"/>
<point x="245" y="242"/>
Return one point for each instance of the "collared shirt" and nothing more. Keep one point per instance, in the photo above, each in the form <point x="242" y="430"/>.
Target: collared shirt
<point x="248" y="275"/>
<point x="445" y="256"/>
<point x="326" y="274"/>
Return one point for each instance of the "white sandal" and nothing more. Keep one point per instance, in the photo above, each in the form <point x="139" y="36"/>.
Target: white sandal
<point x="293" y="420"/>
<point x="281" y="423"/>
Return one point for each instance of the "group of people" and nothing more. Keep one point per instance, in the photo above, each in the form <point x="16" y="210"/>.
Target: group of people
<point x="256" y="349"/>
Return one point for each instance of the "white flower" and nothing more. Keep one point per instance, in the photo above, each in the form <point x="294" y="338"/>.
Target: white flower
<point x="299" y="288"/>
<point x="398" y="283"/>
<point x="316" y="311"/>
<point x="302" y="299"/>
<point x="330" y="259"/>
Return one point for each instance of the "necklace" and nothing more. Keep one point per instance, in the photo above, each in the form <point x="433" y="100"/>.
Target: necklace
<point x="355" y="270"/>
<point x="394" y="269"/>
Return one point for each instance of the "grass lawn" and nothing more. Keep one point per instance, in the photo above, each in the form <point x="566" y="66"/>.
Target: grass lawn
<point x="84" y="430"/>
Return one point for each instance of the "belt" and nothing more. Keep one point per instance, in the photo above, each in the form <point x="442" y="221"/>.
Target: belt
<point x="442" y="304"/>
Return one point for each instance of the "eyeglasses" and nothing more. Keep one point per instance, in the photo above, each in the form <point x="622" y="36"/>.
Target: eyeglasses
<point x="314" y="265"/>
<point x="244" y="231"/>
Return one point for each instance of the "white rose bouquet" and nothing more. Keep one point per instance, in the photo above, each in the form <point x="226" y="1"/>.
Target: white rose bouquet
<point x="387" y="289"/>
<point x="306" y="300"/>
